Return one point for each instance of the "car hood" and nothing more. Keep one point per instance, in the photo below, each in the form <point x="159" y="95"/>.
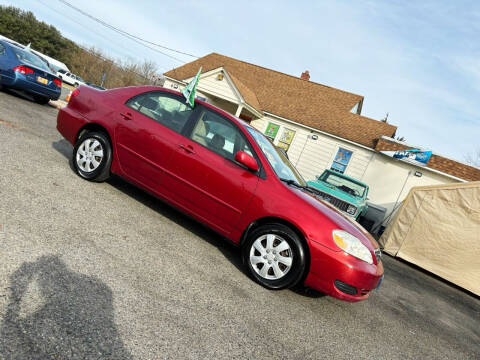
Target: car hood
<point x="342" y="221"/>
<point x="320" y="185"/>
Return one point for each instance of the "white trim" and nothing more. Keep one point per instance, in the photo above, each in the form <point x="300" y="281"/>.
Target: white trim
<point x="232" y="85"/>
<point x="320" y="132"/>
<point x="204" y="90"/>
<point x="253" y="111"/>
<point x="239" y="110"/>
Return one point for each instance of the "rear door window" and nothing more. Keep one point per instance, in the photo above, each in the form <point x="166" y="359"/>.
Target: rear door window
<point x="166" y="109"/>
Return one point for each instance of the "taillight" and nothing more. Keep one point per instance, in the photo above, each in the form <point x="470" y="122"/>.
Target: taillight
<point x="58" y="82"/>
<point x="22" y="69"/>
<point x="75" y="93"/>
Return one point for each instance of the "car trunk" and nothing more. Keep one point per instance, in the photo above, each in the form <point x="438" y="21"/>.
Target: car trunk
<point x="41" y="77"/>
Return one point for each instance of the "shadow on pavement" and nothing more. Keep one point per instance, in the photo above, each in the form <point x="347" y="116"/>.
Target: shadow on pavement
<point x="64" y="148"/>
<point x="228" y="250"/>
<point x="55" y="313"/>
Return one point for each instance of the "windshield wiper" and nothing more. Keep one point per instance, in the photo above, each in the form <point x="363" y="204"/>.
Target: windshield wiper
<point x="294" y="183"/>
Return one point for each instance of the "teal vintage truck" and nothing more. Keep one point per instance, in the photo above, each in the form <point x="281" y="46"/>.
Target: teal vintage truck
<point x="344" y="192"/>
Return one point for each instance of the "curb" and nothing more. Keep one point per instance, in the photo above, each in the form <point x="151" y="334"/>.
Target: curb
<point x="58" y="104"/>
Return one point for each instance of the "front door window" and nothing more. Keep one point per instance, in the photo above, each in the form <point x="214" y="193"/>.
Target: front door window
<point x="219" y="135"/>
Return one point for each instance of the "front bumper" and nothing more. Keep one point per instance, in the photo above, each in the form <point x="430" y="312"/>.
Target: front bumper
<point x="341" y="275"/>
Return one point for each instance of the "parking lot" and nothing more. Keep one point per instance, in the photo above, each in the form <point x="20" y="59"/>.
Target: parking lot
<point x="106" y="271"/>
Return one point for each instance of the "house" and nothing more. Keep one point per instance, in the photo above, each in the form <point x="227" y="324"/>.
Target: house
<point x="320" y="127"/>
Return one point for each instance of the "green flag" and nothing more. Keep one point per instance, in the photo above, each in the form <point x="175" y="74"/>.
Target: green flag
<point x="189" y="91"/>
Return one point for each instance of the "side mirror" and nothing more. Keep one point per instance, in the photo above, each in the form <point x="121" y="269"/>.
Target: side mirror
<point x="246" y="160"/>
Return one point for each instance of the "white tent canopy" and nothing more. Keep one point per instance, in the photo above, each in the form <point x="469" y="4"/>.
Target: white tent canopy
<point x="438" y="229"/>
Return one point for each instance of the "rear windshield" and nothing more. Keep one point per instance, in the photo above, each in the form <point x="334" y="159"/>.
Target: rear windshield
<point x="29" y="58"/>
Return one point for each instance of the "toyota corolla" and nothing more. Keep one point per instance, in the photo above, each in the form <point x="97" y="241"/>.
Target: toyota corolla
<point x="227" y="175"/>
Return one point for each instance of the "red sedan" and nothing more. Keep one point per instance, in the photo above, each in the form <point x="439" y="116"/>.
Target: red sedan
<point x="227" y="175"/>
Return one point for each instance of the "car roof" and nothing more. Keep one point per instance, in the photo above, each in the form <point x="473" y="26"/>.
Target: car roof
<point x="11" y="44"/>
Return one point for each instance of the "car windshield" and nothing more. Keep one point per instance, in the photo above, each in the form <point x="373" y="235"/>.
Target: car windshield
<point x="279" y="162"/>
<point x="28" y="57"/>
<point x="343" y="184"/>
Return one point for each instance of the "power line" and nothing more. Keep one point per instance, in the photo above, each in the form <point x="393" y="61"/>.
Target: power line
<point x="121" y="32"/>
<point x="91" y="30"/>
<point x="135" y="38"/>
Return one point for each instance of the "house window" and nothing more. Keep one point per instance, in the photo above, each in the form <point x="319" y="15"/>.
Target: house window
<point x="286" y="138"/>
<point x="272" y="130"/>
<point x="341" y="160"/>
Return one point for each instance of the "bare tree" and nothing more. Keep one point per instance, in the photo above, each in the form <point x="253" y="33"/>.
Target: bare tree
<point x="91" y="64"/>
<point x="148" y="69"/>
<point x="473" y="158"/>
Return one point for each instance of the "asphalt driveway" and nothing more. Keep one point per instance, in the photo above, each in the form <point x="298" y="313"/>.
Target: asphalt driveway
<point x="105" y="271"/>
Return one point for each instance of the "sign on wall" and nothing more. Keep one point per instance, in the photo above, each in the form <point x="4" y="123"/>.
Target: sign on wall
<point x="412" y="156"/>
<point x="341" y="160"/>
<point x="286" y="138"/>
<point x="272" y="130"/>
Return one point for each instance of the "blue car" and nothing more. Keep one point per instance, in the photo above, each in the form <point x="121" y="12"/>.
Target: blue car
<point x="22" y="70"/>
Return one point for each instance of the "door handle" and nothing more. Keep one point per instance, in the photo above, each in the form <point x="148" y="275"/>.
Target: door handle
<point x="126" y="116"/>
<point x="187" y="148"/>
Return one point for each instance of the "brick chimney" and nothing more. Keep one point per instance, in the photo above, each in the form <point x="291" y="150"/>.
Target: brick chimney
<point x="305" y="75"/>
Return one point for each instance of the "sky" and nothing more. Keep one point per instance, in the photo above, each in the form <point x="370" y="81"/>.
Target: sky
<point x="418" y="61"/>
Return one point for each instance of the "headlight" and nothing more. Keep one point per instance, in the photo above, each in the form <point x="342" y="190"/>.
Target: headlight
<point x="351" y="245"/>
<point x="351" y="209"/>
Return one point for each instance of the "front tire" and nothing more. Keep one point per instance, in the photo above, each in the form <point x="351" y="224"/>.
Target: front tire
<point x="275" y="256"/>
<point x="92" y="156"/>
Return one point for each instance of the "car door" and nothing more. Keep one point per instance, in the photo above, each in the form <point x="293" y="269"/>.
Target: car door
<point x="203" y="175"/>
<point x="149" y="127"/>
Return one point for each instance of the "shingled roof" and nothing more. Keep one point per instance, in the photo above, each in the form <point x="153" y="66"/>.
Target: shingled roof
<point x="436" y="162"/>
<point x="312" y="104"/>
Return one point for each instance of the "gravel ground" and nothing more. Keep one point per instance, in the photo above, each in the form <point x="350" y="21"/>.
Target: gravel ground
<point x="105" y="271"/>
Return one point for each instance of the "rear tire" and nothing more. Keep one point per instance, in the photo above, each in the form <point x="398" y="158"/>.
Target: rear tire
<point x="275" y="256"/>
<point x="41" y="99"/>
<point x="92" y="156"/>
